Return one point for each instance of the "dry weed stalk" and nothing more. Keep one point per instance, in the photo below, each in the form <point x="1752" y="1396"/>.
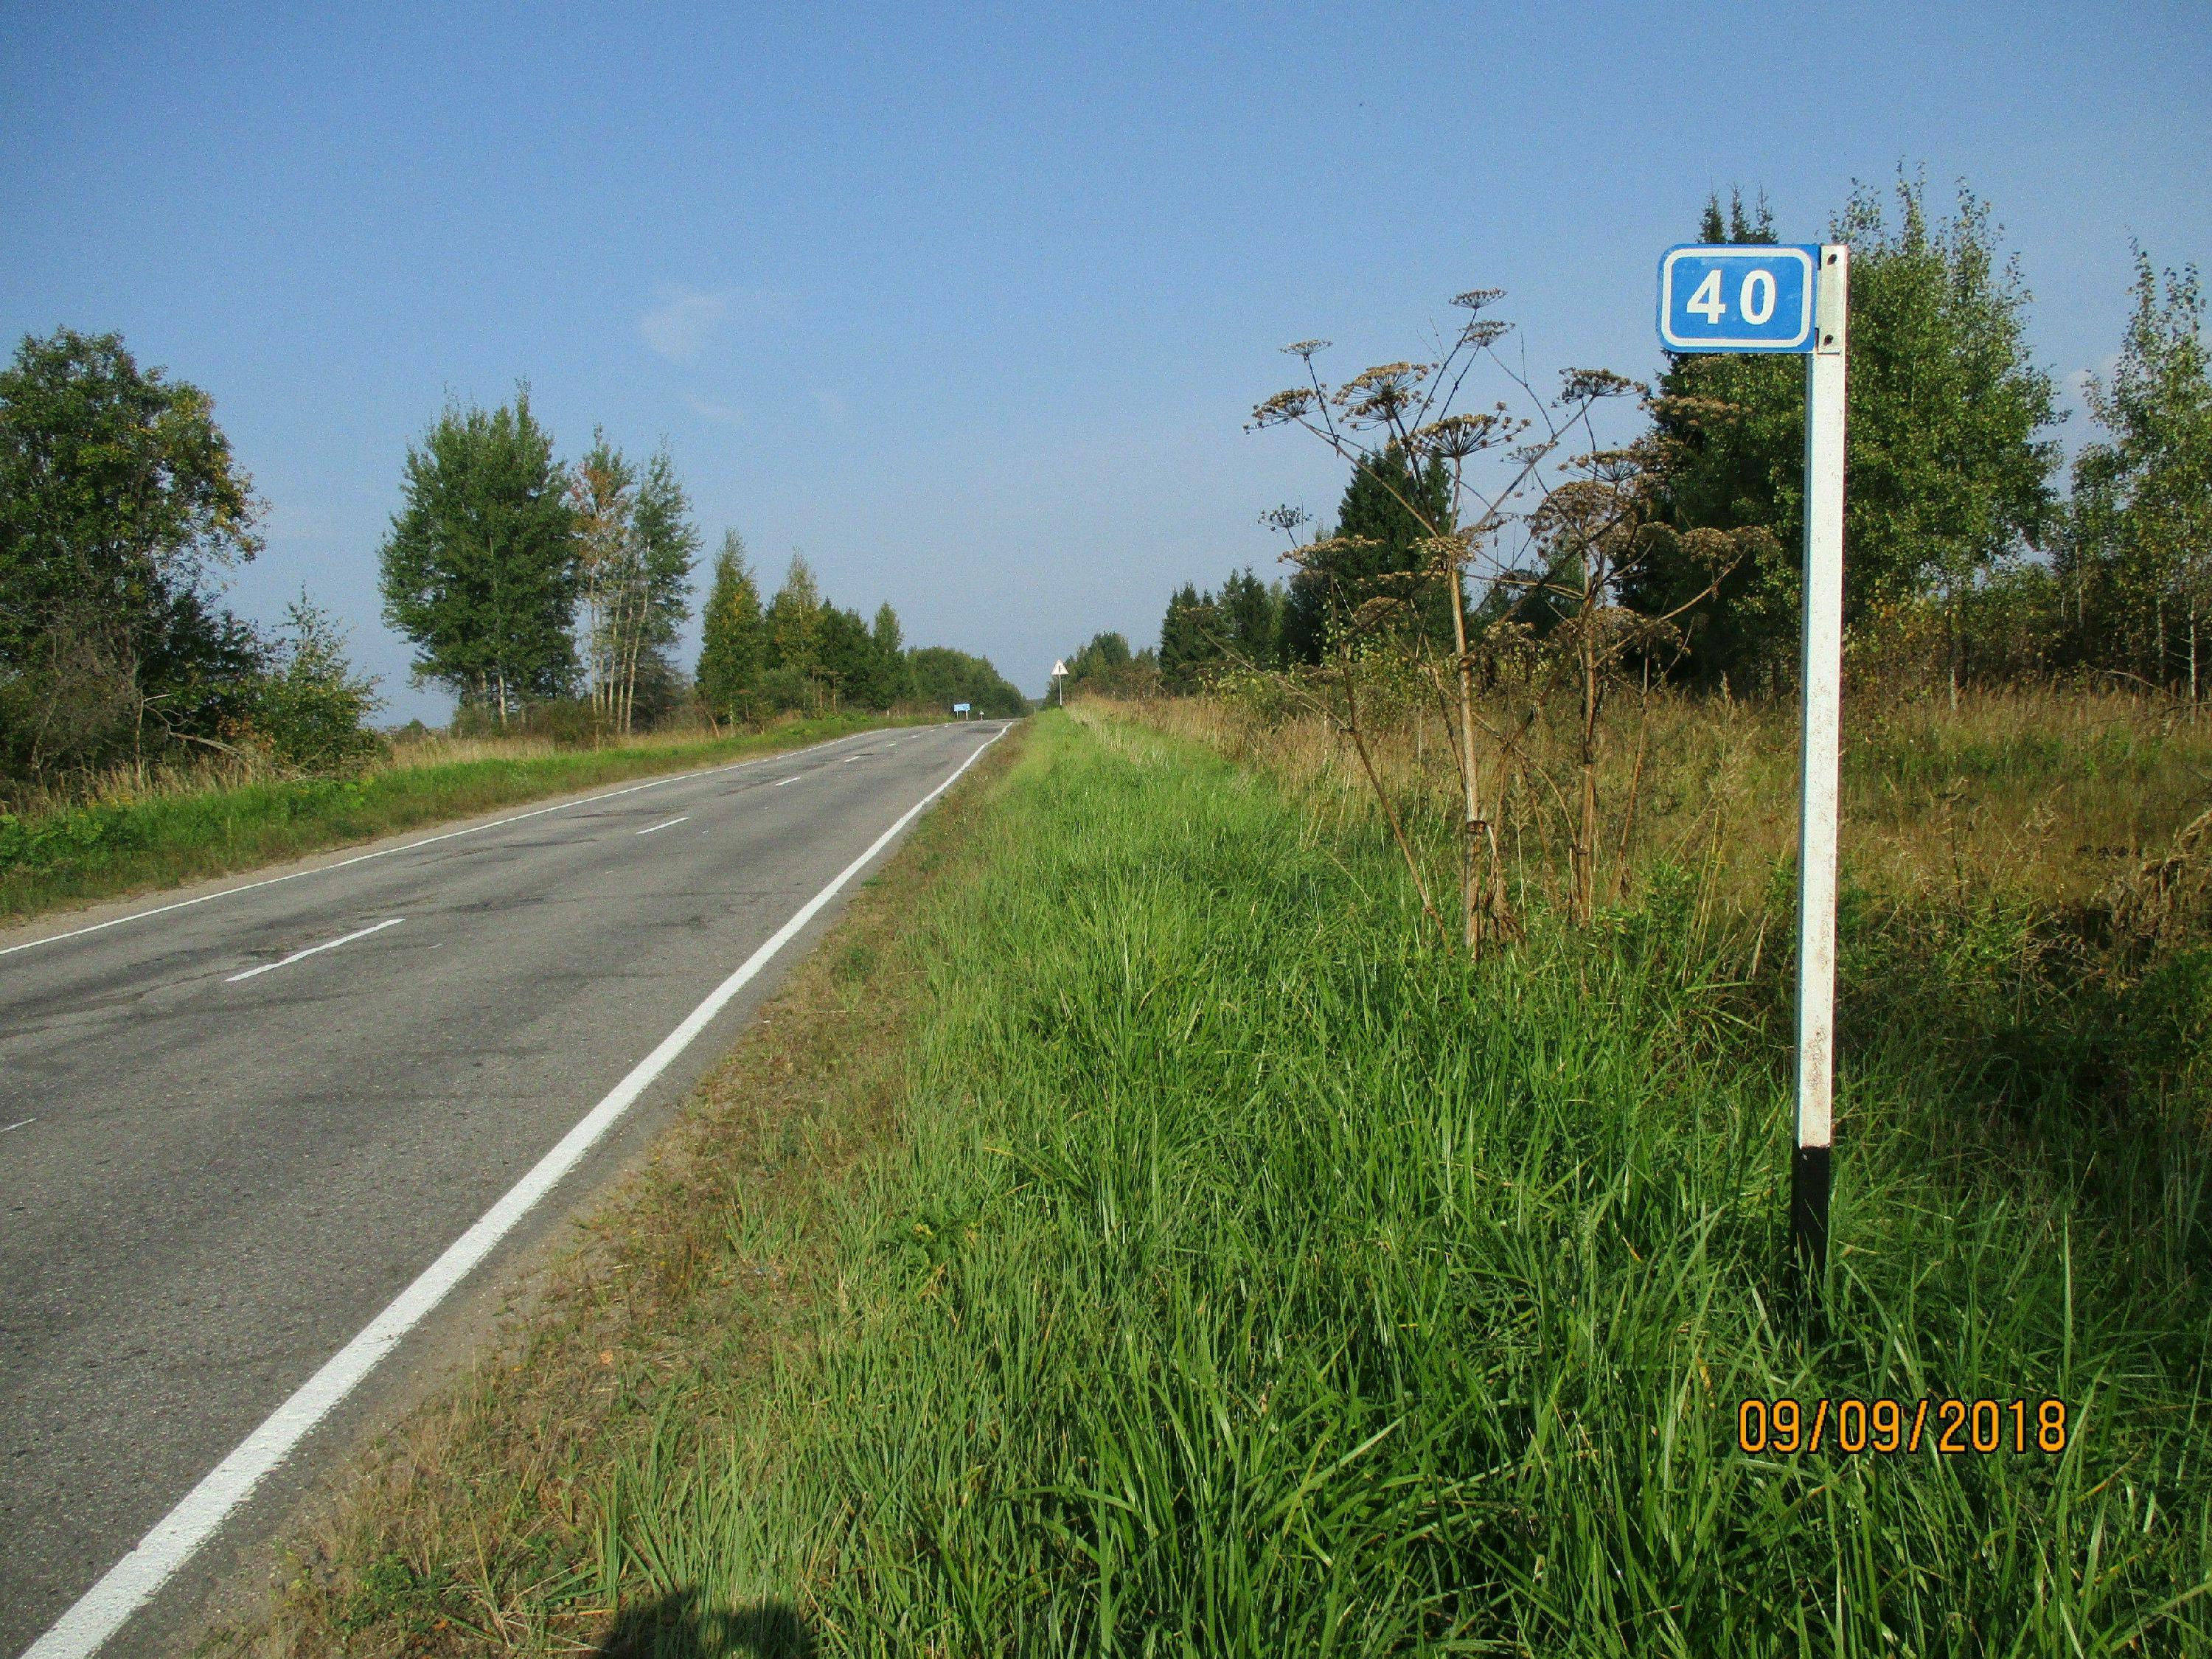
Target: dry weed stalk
<point x="1552" y="538"/>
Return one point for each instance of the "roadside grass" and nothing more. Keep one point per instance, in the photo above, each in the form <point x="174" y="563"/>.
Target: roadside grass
<point x="137" y="839"/>
<point x="1220" y="1270"/>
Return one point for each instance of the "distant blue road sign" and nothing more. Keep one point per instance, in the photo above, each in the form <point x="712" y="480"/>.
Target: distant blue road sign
<point x="959" y="708"/>
<point x="1750" y="297"/>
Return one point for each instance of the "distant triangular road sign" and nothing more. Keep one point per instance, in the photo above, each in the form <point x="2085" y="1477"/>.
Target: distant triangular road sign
<point x="1058" y="668"/>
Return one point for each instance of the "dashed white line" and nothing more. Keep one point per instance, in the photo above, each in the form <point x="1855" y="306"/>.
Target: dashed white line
<point x="103" y="1609"/>
<point x="671" y="824"/>
<point x="780" y="782"/>
<point x="18" y="1125"/>
<point x="314" y="950"/>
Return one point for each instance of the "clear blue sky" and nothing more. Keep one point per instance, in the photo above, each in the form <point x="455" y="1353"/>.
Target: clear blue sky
<point x="969" y="306"/>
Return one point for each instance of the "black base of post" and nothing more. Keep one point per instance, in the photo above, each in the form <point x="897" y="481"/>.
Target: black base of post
<point x="1808" y="1231"/>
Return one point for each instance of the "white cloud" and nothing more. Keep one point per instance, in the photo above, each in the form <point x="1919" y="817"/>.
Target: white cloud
<point x="684" y="322"/>
<point x="708" y="409"/>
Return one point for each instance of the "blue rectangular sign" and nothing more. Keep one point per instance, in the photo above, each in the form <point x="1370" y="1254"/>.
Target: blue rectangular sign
<point x="1748" y="297"/>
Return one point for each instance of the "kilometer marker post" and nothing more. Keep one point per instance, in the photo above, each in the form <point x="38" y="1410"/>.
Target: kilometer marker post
<point x="1783" y="298"/>
<point x="1820" y="754"/>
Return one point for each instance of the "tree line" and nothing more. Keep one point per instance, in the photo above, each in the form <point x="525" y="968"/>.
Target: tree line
<point x="800" y="651"/>
<point x="523" y="579"/>
<point x="535" y="590"/>
<point x="1967" y="561"/>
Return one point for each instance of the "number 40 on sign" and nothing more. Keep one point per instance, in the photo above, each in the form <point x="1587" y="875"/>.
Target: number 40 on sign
<point x="1755" y="298"/>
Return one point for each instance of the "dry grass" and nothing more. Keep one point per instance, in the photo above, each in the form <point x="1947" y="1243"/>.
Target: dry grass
<point x="2063" y="796"/>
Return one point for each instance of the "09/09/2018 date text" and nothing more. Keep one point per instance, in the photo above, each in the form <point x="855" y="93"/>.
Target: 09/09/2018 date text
<point x="1851" y="1425"/>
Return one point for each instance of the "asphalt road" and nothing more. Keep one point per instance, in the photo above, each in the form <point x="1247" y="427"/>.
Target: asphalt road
<point x="232" y="1132"/>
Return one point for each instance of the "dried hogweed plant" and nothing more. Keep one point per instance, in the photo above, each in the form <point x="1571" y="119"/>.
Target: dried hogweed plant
<point x="1543" y="521"/>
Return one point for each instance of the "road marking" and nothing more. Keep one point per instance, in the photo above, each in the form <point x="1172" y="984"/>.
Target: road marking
<point x="781" y="782"/>
<point x="314" y="951"/>
<point x="427" y="841"/>
<point x="671" y="824"/>
<point x="17" y="1125"/>
<point x="101" y="1610"/>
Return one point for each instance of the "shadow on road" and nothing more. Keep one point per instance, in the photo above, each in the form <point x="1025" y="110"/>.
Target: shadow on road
<point x="678" y="1626"/>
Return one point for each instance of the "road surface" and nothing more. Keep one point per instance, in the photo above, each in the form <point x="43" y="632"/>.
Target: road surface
<point x="240" y="1138"/>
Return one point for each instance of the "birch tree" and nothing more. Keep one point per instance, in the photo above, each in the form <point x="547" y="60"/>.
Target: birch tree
<point x="479" y="569"/>
<point x="2140" y="547"/>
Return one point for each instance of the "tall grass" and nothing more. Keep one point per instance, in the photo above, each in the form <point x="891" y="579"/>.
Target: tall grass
<point x="1251" y="1279"/>
<point x="2056" y="792"/>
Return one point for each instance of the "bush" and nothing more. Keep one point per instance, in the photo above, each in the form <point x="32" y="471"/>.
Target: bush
<point x="309" y="710"/>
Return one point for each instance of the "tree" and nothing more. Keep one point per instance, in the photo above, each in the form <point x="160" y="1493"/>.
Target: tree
<point x="119" y="498"/>
<point x="603" y="501"/>
<point x="666" y="546"/>
<point x="1105" y="665"/>
<point x="846" y="656"/>
<point x="943" y="676"/>
<point x="1948" y="475"/>
<point x="1731" y="434"/>
<point x="1950" y="471"/>
<point x="479" y="569"/>
<point x="1190" y="640"/>
<point x="735" y="647"/>
<point x="311" y="709"/>
<point x="1390" y="508"/>
<point x="795" y="620"/>
<point x="2138" y="554"/>
<point x="892" y="684"/>
<point x="1251" y="616"/>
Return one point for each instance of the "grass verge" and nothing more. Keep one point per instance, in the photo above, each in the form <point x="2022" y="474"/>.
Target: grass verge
<point x="1242" y="1277"/>
<point x="110" y="848"/>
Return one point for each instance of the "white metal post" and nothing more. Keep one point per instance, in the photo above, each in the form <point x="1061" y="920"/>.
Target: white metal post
<point x="1819" y="783"/>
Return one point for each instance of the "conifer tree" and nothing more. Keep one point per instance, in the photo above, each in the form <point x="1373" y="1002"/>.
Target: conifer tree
<point x="1378" y="532"/>
<point x="735" y="647"/>
<point x="1251" y="619"/>
<point x="893" y="683"/>
<point x="1190" y="639"/>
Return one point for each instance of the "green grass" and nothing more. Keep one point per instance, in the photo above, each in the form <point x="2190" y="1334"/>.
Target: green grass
<point x="1254" y="1281"/>
<point x="105" y="849"/>
<point x="1244" y="1278"/>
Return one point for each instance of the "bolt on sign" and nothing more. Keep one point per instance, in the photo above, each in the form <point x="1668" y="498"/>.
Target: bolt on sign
<point x="1795" y="298"/>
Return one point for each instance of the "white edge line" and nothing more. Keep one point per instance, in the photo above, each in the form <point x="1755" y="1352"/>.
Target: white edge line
<point x="18" y="1125"/>
<point x="314" y="951"/>
<point x="102" y="1610"/>
<point x="449" y="834"/>
<point x="671" y="824"/>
